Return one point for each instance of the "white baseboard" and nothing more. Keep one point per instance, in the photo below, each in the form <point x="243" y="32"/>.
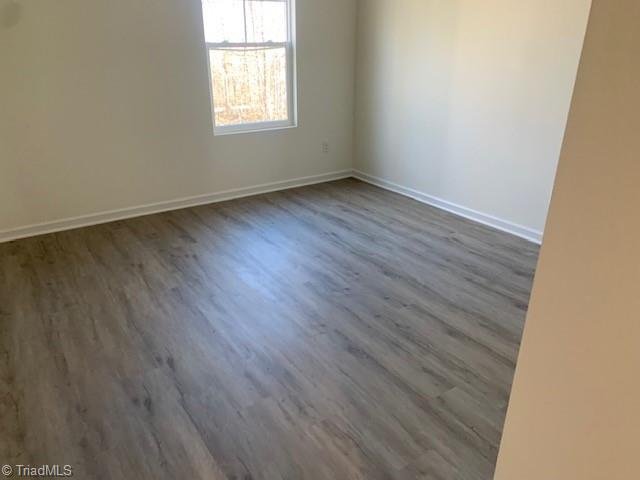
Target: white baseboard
<point x="124" y="213"/>
<point x="121" y="214"/>
<point x="530" y="234"/>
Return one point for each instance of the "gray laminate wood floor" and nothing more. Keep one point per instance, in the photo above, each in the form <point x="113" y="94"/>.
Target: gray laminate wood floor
<point x="336" y="331"/>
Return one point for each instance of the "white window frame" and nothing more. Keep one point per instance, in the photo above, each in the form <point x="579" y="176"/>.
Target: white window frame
<point x="292" y="102"/>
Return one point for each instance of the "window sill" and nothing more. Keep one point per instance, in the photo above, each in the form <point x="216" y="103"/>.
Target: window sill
<point x="220" y="132"/>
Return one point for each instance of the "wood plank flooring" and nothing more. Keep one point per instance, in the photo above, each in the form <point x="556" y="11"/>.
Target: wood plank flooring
<point x="335" y="331"/>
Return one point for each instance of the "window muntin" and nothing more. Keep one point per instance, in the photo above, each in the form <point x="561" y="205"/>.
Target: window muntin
<point x="251" y="63"/>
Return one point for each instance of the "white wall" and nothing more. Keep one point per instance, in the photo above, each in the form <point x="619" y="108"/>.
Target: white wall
<point x="104" y="104"/>
<point x="467" y="100"/>
<point x="575" y="406"/>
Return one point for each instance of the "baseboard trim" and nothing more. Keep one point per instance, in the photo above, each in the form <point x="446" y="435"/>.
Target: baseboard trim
<point x="159" y="207"/>
<point x="186" y="202"/>
<point x="468" y="213"/>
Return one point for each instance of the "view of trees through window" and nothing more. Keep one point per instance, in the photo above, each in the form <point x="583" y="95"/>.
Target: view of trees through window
<point x="248" y="43"/>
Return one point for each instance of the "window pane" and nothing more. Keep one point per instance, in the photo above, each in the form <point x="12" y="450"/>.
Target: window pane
<point x="249" y="85"/>
<point x="224" y="20"/>
<point x="266" y="21"/>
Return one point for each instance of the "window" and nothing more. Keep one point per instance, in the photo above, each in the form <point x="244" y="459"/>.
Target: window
<point x="251" y="63"/>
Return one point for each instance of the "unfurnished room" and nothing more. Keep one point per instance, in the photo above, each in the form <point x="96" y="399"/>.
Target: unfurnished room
<point x="320" y="239"/>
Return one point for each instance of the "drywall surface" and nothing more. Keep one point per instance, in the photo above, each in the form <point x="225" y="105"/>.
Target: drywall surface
<point x="105" y="105"/>
<point x="575" y="406"/>
<point x="467" y="101"/>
